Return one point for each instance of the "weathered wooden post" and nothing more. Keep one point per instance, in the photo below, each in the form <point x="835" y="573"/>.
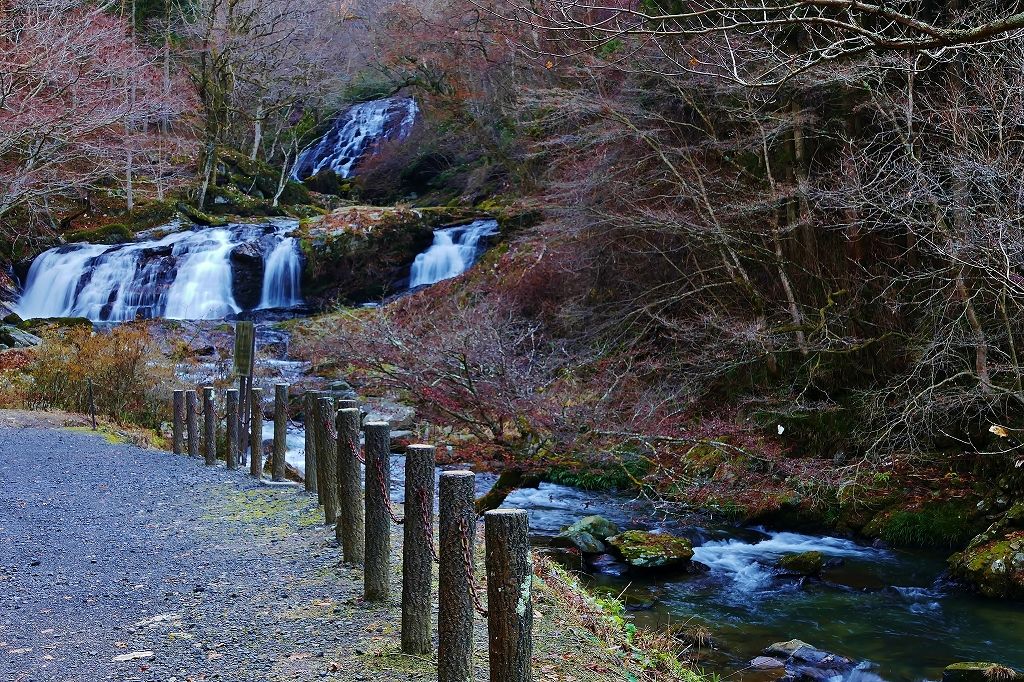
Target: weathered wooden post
<point x="326" y="446"/>
<point x="457" y="535"/>
<point x="178" y="423"/>
<point x="192" y="422"/>
<point x="377" y="568"/>
<point x="210" y="424"/>
<point x="509" y="595"/>
<point x="277" y="467"/>
<point x="256" y="429"/>
<point x="231" y="417"/>
<point x="417" y="551"/>
<point x="349" y="529"/>
<point x="244" y="361"/>
<point x="309" y="442"/>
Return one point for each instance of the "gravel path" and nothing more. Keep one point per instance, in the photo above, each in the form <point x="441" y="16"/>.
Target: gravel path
<point x="112" y="550"/>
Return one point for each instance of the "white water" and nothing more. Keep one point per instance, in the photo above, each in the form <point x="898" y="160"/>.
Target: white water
<point x="184" y="275"/>
<point x="748" y="565"/>
<point x="454" y="250"/>
<point x="282" y="277"/>
<point x="356" y="133"/>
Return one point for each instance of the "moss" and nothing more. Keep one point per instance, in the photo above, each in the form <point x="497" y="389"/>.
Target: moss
<point x="804" y="563"/>
<point x="978" y="671"/>
<point x="58" y="322"/>
<point x="200" y="217"/>
<point x="113" y="233"/>
<point x="993" y="567"/>
<point x="643" y="549"/>
<point x="616" y="476"/>
<point x="926" y="524"/>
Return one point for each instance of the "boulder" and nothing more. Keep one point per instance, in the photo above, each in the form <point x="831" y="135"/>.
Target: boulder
<point x="12" y="337"/>
<point x="802" y="564"/>
<point x="646" y="550"/>
<point x="247" y="269"/>
<point x="805" y="663"/>
<point x="588" y="534"/>
<point x="993" y="563"/>
<point x="978" y="671"/>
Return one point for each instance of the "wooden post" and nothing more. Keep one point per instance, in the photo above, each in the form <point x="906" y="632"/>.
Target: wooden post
<point x="417" y="551"/>
<point x="308" y="404"/>
<point x="377" y="569"/>
<point x="349" y="529"/>
<point x="280" y="431"/>
<point x="92" y="404"/>
<point x="210" y="424"/>
<point x="457" y="535"/>
<point x="509" y="595"/>
<point x="321" y="455"/>
<point x="232" y="426"/>
<point x="192" y="422"/>
<point x="256" y="431"/>
<point x="326" y="446"/>
<point x="178" y="423"/>
<point x="244" y="384"/>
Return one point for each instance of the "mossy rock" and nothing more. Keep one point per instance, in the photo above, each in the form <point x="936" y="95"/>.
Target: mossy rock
<point x="329" y="182"/>
<point x="12" y="337"/>
<point x="588" y="534"/>
<point x="646" y="550"/>
<point x="200" y="217"/>
<point x="993" y="565"/>
<point x="113" y="233"/>
<point x="58" y="322"/>
<point x="805" y="563"/>
<point x="979" y="671"/>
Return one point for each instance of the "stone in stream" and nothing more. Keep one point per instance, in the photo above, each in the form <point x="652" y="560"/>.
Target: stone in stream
<point x="807" y="564"/>
<point x="980" y="671"/>
<point x="803" y="662"/>
<point x="588" y="534"/>
<point x="647" y="550"/>
<point x="993" y="563"/>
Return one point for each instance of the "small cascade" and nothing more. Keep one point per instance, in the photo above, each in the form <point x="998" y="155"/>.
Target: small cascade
<point x="184" y="275"/>
<point x="454" y="251"/>
<point x="356" y="133"/>
<point x="282" y="276"/>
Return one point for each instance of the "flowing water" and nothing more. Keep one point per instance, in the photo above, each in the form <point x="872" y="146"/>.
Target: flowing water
<point x="183" y="275"/>
<point x="356" y="133"/>
<point x="454" y="251"/>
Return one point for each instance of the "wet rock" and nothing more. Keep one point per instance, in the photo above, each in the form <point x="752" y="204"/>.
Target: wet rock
<point x="767" y="663"/>
<point x="805" y="663"/>
<point x="608" y="565"/>
<point x="12" y="337"/>
<point x="646" y="550"/>
<point x="803" y="564"/>
<point x="993" y="563"/>
<point x="247" y="268"/>
<point x="588" y="534"/>
<point x="979" y="671"/>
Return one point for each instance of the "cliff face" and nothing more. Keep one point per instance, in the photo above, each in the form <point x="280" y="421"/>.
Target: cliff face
<point x="363" y="253"/>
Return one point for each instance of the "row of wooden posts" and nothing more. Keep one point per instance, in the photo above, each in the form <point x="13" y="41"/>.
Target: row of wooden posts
<point x="362" y="517"/>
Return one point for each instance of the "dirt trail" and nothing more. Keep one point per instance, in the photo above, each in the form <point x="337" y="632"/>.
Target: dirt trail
<point x="123" y="563"/>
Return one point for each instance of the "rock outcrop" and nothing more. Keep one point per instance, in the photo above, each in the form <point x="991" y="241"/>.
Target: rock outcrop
<point x="993" y="564"/>
<point x="646" y="550"/>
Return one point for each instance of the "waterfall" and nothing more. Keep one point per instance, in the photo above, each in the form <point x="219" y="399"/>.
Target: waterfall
<point x="282" y="276"/>
<point x="454" y="250"/>
<point x="183" y="275"/>
<point x="356" y="133"/>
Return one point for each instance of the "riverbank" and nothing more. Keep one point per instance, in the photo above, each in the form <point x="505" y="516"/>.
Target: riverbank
<point x="198" y="572"/>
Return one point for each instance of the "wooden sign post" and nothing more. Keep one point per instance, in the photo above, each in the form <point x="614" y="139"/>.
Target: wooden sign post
<point x="245" y="359"/>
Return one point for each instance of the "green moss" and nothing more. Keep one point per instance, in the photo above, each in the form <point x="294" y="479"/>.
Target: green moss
<point x="993" y="566"/>
<point x="929" y="524"/>
<point x="616" y="476"/>
<point x="114" y="233"/>
<point x="643" y="549"/>
<point x="804" y="563"/>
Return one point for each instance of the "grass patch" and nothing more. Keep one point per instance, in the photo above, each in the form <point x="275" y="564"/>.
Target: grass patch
<point x="927" y="524"/>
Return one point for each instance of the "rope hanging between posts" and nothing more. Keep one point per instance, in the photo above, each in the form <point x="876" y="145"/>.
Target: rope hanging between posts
<point x="467" y="557"/>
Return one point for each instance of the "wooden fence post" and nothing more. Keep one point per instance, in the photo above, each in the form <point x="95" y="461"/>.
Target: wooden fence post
<point x="326" y="445"/>
<point x="256" y="431"/>
<point x="349" y="529"/>
<point x="280" y="431"/>
<point x="509" y="595"/>
<point x="231" y="417"/>
<point x="178" y="423"/>
<point x="192" y="422"/>
<point x="309" y="442"/>
<point x="244" y="384"/>
<point x="210" y="423"/>
<point x="457" y="535"/>
<point x="417" y="552"/>
<point x="377" y="568"/>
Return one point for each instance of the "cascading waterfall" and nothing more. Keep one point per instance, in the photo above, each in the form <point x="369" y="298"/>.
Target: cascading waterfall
<point x="355" y="133"/>
<point x="184" y="275"/>
<point x="454" y="251"/>
<point x="282" y="276"/>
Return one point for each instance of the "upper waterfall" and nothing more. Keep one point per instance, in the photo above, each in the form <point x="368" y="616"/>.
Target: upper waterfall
<point x="193" y="275"/>
<point x="355" y="134"/>
<point x="454" y="250"/>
